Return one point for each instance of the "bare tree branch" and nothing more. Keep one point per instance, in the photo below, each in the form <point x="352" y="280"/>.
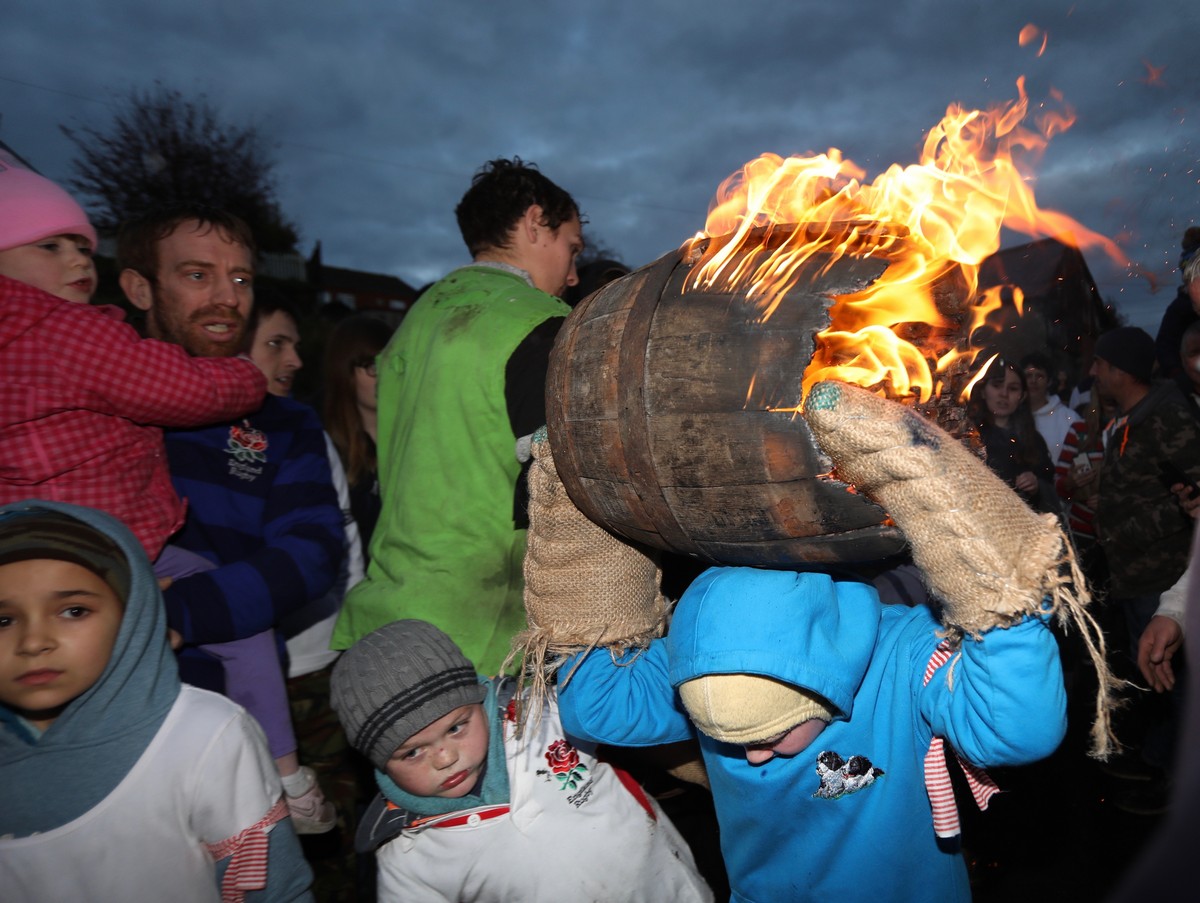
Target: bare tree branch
<point x="162" y="149"/>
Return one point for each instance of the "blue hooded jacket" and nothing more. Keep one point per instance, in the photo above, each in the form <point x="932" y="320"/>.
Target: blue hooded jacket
<point x="793" y="828"/>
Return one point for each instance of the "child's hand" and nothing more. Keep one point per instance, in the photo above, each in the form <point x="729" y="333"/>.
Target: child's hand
<point x="164" y="582"/>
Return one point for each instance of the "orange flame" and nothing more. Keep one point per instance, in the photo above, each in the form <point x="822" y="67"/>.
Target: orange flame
<point x="933" y="223"/>
<point x="1031" y="33"/>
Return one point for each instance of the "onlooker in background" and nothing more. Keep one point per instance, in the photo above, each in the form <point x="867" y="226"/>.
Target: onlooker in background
<point x="274" y="334"/>
<point x="1188" y="378"/>
<point x="1052" y="416"/>
<point x="274" y="341"/>
<point x="1077" y="478"/>
<point x="350" y="411"/>
<point x="1080" y="395"/>
<point x="1184" y="309"/>
<point x="1145" y="533"/>
<point x="1016" y="452"/>
<point x="1139" y="521"/>
<point x="261" y="504"/>
<point x="1163" y="636"/>
<point x="461" y="382"/>
<point x="1167" y="864"/>
<point x="594" y="275"/>
<point x="1062" y="386"/>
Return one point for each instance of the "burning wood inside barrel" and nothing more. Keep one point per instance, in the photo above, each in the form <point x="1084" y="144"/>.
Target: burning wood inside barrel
<point x="675" y="397"/>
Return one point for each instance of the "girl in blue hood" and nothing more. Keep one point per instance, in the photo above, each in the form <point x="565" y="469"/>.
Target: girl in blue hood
<point x="820" y="713"/>
<point x="119" y="782"/>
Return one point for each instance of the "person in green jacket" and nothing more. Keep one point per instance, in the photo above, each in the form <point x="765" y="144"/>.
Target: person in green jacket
<point x="462" y="380"/>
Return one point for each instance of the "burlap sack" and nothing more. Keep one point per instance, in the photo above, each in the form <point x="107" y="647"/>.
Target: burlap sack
<point x="584" y="586"/>
<point x="986" y="555"/>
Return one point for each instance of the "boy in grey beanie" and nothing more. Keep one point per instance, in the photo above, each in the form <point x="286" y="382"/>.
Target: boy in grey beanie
<point x="444" y="745"/>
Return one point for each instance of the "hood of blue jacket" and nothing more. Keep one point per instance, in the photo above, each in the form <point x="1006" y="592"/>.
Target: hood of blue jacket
<point x="806" y="629"/>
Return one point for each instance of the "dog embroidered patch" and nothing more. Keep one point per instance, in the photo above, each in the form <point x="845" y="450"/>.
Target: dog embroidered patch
<point x="840" y="777"/>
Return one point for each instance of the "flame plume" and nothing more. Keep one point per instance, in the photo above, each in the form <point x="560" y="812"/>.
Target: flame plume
<point x="779" y="220"/>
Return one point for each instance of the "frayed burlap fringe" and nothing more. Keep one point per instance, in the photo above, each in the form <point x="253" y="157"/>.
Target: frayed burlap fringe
<point x="985" y="554"/>
<point x="584" y="586"/>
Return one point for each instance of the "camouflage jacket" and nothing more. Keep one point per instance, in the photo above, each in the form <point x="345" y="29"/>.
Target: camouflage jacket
<point x="1145" y="534"/>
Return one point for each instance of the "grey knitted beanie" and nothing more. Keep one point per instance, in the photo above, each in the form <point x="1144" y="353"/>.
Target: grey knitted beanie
<point x="396" y="681"/>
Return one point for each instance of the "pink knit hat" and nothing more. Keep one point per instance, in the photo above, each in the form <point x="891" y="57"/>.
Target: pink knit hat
<point x="32" y="207"/>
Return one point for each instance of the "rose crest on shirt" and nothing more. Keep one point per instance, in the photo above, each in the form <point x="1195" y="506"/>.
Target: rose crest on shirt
<point x="247" y="447"/>
<point x="564" y="763"/>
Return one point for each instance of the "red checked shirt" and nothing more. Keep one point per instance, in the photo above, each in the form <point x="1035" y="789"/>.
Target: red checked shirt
<point x="83" y="399"/>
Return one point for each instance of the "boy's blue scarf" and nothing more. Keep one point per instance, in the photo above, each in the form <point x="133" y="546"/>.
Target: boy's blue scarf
<point x="495" y="778"/>
<point x="52" y="779"/>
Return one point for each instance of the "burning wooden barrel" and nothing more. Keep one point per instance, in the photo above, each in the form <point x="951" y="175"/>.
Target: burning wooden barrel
<point x="672" y="420"/>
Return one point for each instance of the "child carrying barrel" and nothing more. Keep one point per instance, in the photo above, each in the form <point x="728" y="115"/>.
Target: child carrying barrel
<point x="823" y="716"/>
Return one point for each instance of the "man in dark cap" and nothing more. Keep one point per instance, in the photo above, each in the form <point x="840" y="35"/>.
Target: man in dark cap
<point x="1151" y="444"/>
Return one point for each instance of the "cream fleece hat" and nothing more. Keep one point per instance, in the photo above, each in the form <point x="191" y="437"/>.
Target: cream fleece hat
<point x="746" y="708"/>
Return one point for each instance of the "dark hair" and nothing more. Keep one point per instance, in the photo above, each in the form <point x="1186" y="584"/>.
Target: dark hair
<point x="137" y="241"/>
<point x="1029" y="442"/>
<point x="1038" y="361"/>
<point x="593" y="276"/>
<point x="1193" y="329"/>
<point x="267" y="301"/>
<point x="500" y="193"/>
<point x="355" y="342"/>
<point x="1191" y="267"/>
<point x="1189" y="246"/>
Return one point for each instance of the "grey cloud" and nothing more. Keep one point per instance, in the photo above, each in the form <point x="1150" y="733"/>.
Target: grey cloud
<point x="378" y="113"/>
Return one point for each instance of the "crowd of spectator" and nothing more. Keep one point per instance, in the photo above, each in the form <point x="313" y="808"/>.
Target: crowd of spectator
<point x="353" y="578"/>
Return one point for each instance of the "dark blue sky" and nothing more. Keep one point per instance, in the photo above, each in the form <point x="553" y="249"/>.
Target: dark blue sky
<point x="379" y="112"/>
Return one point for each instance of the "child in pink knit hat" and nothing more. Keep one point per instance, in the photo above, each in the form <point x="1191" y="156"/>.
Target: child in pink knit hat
<point x="45" y="238"/>
<point x="79" y="387"/>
